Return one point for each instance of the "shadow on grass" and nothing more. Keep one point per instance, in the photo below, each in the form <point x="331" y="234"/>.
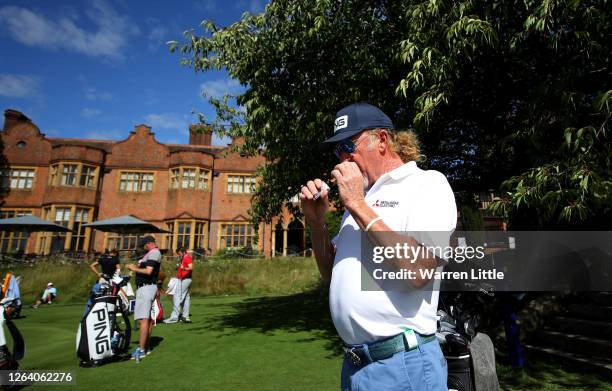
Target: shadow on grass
<point x="154" y="341"/>
<point x="306" y="311"/>
<point x="541" y="374"/>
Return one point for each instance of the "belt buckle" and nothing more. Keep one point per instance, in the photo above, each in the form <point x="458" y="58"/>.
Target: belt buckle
<point x="353" y="357"/>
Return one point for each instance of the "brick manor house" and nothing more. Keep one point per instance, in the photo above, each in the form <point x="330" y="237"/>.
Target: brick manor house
<point x="199" y="192"/>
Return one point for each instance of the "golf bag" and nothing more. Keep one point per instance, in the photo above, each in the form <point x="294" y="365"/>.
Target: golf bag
<point x="8" y="360"/>
<point x="11" y="296"/>
<point x="104" y="332"/>
<point x="157" y="309"/>
<point x="464" y="313"/>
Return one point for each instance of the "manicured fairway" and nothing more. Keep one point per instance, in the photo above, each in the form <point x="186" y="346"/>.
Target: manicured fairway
<point x="239" y="343"/>
<point x="235" y="343"/>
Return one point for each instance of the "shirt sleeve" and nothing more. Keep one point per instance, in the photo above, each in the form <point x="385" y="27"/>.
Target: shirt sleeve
<point x="150" y="262"/>
<point x="334" y="240"/>
<point x="154" y="256"/>
<point x="433" y="221"/>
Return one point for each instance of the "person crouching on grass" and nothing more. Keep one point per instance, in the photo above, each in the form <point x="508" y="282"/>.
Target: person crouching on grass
<point x="48" y="296"/>
<point x="146" y="271"/>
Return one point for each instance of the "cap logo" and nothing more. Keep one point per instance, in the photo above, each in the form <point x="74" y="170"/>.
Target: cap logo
<point x="340" y="123"/>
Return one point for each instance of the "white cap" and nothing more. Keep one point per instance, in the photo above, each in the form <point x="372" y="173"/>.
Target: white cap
<point x="49" y="284"/>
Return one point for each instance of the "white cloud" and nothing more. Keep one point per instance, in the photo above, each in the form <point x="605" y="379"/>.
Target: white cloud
<point x="18" y="86"/>
<point x="156" y="37"/>
<point x="106" y="135"/>
<point x="172" y="121"/>
<point x="93" y="94"/>
<point x="108" y="37"/>
<point x="218" y="88"/>
<point x="90" y="113"/>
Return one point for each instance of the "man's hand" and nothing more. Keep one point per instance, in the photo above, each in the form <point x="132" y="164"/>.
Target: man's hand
<point x="132" y="267"/>
<point x="314" y="213"/>
<point x="350" y="184"/>
<point x="314" y="210"/>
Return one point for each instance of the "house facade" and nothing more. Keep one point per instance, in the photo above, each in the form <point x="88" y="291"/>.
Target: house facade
<point x="199" y="192"/>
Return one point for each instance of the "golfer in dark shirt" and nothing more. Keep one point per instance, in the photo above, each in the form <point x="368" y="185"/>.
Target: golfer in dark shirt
<point x="147" y="272"/>
<point x="109" y="263"/>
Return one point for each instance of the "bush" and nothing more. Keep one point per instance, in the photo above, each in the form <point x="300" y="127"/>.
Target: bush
<point x="214" y="276"/>
<point x="238" y="252"/>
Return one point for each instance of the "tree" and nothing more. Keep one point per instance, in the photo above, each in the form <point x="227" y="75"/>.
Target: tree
<point x="510" y="95"/>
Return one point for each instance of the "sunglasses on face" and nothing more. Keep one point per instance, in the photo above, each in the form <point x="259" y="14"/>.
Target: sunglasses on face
<point x="347" y="146"/>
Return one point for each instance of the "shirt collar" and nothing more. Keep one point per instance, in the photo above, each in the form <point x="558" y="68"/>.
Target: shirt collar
<point x="403" y="170"/>
<point x="396" y="174"/>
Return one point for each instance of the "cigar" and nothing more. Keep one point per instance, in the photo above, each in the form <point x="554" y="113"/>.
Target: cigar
<point x="317" y="195"/>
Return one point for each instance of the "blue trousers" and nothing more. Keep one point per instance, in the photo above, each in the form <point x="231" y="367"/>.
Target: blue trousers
<point x="421" y="369"/>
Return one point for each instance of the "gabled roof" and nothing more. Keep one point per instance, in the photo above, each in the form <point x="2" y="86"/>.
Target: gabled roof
<point x="194" y="148"/>
<point x="108" y="144"/>
<point x="102" y="144"/>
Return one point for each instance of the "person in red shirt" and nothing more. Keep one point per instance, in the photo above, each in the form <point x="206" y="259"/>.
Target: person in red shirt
<point x="181" y="293"/>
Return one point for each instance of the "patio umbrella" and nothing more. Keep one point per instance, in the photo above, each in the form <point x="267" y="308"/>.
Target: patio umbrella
<point x="30" y="224"/>
<point x="125" y="225"/>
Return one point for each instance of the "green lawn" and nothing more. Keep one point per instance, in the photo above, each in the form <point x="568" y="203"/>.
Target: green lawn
<point x="234" y="343"/>
<point x="237" y="343"/>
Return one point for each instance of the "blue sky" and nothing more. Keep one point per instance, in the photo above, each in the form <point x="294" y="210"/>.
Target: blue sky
<point x="95" y="69"/>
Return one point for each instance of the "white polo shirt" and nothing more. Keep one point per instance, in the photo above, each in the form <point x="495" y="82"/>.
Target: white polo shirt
<point x="408" y="199"/>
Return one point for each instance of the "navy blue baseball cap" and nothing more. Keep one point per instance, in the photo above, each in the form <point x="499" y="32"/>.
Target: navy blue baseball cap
<point x="146" y="240"/>
<point x="356" y="118"/>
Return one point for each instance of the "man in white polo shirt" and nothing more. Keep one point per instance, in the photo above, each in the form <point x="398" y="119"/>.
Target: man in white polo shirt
<point x="388" y="334"/>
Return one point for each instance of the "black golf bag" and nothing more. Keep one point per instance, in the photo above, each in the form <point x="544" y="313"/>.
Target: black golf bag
<point x="469" y="353"/>
<point x="10" y="360"/>
<point x="465" y="313"/>
<point x="104" y="332"/>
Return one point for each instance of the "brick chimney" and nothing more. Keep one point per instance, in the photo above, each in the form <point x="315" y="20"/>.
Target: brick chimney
<point x="200" y="135"/>
<point x="12" y="118"/>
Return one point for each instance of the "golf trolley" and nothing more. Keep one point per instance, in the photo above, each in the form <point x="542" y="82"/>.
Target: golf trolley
<point x="104" y="332"/>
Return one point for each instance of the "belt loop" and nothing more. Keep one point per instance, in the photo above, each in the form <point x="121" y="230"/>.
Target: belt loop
<point x="358" y="355"/>
<point x="366" y="351"/>
<point x="410" y="338"/>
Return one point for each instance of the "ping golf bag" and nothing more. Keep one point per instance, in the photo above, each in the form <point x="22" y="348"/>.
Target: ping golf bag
<point x="104" y="332"/>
